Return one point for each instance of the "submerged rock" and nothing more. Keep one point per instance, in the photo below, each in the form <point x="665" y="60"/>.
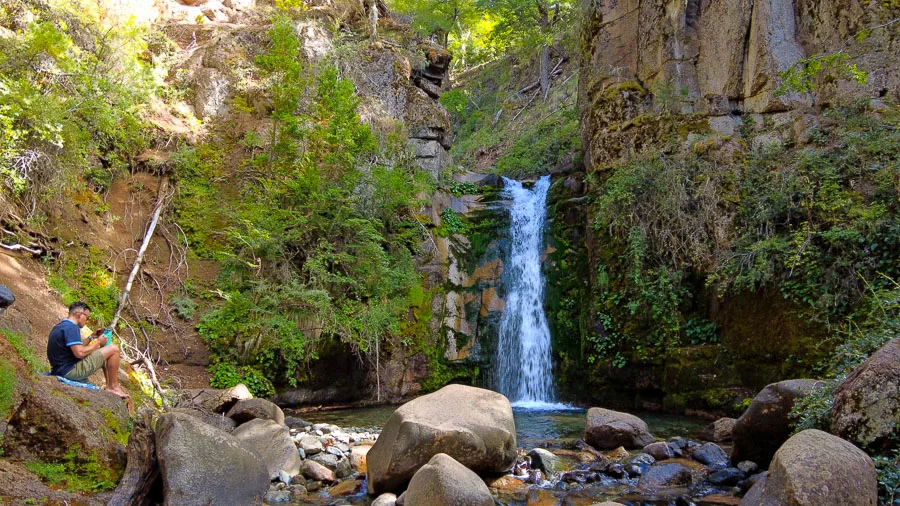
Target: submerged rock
<point x="815" y="468"/>
<point x="606" y="429"/>
<point x="473" y="425"/>
<point x="443" y="480"/>
<point x="766" y="424"/>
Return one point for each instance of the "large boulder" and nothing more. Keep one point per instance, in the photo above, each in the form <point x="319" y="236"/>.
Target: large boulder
<point x="54" y="418"/>
<point x="867" y="403"/>
<point x="472" y="425"/>
<point x="273" y="443"/>
<point x="606" y="429"/>
<point x="217" y="420"/>
<point x="718" y="431"/>
<point x="249" y="409"/>
<point x="443" y="480"/>
<point x="766" y="424"/>
<point x="201" y="465"/>
<point x="815" y="468"/>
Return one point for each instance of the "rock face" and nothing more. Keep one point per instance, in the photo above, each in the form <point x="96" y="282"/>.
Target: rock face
<point x="273" y="443"/>
<point x="472" y="425"/>
<point x="867" y="403"/>
<point x="607" y="429"/>
<point x="813" y="468"/>
<point x="216" y="401"/>
<point x="443" y="480"/>
<point x="715" y="59"/>
<point x="765" y="425"/>
<point x="199" y="464"/>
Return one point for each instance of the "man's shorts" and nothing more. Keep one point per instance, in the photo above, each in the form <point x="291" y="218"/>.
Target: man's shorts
<point x="86" y="366"/>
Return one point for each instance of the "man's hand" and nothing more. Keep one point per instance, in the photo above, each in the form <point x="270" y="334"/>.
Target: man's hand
<point x="98" y="341"/>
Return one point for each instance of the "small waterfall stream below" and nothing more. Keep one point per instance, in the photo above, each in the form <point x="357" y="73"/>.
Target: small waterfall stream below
<point x="524" y="371"/>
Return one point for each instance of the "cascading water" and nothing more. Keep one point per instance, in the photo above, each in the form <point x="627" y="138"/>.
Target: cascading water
<point x="524" y="369"/>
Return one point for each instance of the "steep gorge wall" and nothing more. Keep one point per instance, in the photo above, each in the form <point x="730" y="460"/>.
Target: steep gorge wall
<point x="698" y="80"/>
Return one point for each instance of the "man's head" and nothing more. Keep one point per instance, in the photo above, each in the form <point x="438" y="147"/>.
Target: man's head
<point x="79" y="312"/>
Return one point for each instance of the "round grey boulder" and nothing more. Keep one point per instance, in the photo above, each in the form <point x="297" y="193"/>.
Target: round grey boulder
<point x="202" y="465"/>
<point x="607" y="429"/>
<point x="472" y="425"/>
<point x="814" y="468"/>
<point x="273" y="443"/>
<point x="665" y="474"/>
<point x="445" y="481"/>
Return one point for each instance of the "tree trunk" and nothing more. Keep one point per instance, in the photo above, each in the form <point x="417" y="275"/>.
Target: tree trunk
<point x="373" y="18"/>
<point x="141" y="472"/>
<point x="545" y="70"/>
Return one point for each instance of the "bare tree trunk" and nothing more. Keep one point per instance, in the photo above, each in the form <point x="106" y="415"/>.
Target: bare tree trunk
<point x="141" y="471"/>
<point x="545" y="70"/>
<point x="373" y="18"/>
<point x="160" y="203"/>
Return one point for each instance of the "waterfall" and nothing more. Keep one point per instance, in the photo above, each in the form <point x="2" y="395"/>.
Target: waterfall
<point x="524" y="370"/>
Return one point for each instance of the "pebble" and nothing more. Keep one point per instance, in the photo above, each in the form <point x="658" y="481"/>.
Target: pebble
<point x="277" y="496"/>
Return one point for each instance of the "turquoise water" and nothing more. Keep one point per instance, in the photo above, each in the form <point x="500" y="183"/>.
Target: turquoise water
<point x="549" y="428"/>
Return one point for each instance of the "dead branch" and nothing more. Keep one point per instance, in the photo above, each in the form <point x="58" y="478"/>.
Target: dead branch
<point x="160" y="204"/>
<point x="19" y="247"/>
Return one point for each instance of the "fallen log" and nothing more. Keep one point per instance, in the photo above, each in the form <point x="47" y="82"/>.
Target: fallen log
<point x="140" y="483"/>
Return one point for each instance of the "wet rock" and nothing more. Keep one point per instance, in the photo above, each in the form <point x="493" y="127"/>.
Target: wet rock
<point x="277" y="496"/>
<point x="748" y="467"/>
<point x="314" y="486"/>
<point x="711" y="455"/>
<point x="616" y="470"/>
<point x="665" y="475"/>
<point x="296" y="423"/>
<point x="867" y="403"/>
<point x="358" y="457"/>
<point x="766" y="424"/>
<point x="443" y="480"/>
<point x="535" y="477"/>
<point x="199" y="463"/>
<point x="310" y="445"/>
<point x="606" y="429"/>
<point x="273" y="443"/>
<point x="617" y="454"/>
<point x="547" y="462"/>
<point x="660" y="450"/>
<point x="470" y="424"/>
<point x="345" y="488"/>
<point x="250" y="409"/>
<point x="718" y="431"/>
<point x="386" y="499"/>
<point x="316" y="472"/>
<point x="727" y="477"/>
<point x="816" y="468"/>
<point x="641" y="459"/>
<point x="340" y="465"/>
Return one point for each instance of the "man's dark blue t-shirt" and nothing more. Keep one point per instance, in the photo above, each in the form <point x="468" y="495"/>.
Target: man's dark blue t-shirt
<point x="62" y="360"/>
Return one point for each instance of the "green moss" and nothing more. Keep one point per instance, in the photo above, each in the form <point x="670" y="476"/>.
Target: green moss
<point x="77" y="471"/>
<point x="615" y="90"/>
<point x="7" y="387"/>
<point x="119" y="433"/>
<point x="18" y="342"/>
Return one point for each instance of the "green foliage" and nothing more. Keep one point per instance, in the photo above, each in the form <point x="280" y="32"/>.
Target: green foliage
<point x="803" y="75"/>
<point x="185" y="307"/>
<point x="119" y="433"/>
<point x="701" y="331"/>
<point x="227" y="375"/>
<point x="542" y="145"/>
<point x="85" y="278"/>
<point x="455" y="101"/>
<point x="7" y="386"/>
<point x="888" y="469"/>
<point x="18" y="342"/>
<point x="317" y="237"/>
<point x="77" y="472"/>
<point x="814" y="410"/>
<point x="70" y="101"/>
<point x="451" y="223"/>
<point x="463" y="188"/>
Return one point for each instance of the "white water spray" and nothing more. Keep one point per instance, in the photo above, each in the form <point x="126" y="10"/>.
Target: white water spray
<point x="524" y="365"/>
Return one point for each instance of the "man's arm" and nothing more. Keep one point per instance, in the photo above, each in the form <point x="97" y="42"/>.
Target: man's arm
<point x="81" y="350"/>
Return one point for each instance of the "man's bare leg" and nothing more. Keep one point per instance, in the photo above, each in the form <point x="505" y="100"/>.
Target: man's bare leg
<point x="111" y="369"/>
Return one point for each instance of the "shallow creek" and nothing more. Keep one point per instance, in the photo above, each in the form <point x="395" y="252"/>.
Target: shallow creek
<point x="537" y="428"/>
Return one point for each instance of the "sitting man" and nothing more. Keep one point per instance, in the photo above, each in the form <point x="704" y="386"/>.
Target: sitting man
<point x="72" y="359"/>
